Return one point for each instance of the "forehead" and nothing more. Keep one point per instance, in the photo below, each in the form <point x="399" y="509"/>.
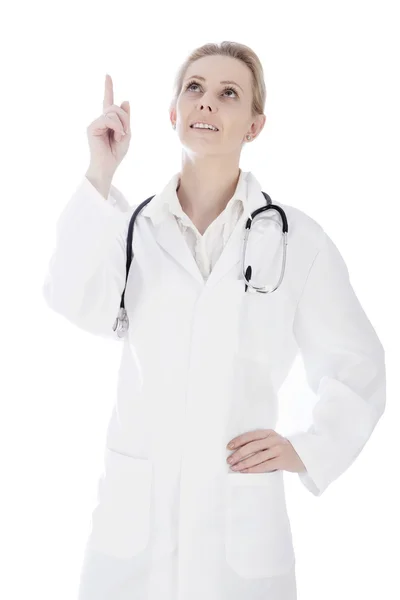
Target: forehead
<point x="217" y="68"/>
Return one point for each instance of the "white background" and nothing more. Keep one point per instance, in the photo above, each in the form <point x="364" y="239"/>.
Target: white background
<point x="330" y="147"/>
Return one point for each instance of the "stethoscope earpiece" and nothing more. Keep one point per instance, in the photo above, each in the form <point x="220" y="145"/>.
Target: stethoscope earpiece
<point x="247" y="275"/>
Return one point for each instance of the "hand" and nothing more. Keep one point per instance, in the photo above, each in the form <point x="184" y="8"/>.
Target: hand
<point x="263" y="451"/>
<point x="109" y="135"/>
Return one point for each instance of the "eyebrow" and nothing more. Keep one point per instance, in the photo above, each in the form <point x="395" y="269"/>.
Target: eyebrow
<point x="202" y="78"/>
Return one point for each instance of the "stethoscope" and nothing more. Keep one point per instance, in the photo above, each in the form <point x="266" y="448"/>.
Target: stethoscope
<point x="121" y="324"/>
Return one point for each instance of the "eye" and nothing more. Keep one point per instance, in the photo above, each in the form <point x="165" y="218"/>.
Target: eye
<point x="226" y="89"/>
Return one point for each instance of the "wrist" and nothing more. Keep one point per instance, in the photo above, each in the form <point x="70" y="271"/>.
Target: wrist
<point x="100" y="180"/>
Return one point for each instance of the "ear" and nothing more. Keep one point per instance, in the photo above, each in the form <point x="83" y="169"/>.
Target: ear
<point x="258" y="125"/>
<point x="172" y="115"/>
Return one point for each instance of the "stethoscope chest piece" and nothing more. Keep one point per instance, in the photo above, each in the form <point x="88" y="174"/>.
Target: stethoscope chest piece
<point x="121" y="323"/>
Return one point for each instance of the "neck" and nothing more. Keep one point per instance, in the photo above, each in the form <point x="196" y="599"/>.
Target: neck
<point x="206" y="187"/>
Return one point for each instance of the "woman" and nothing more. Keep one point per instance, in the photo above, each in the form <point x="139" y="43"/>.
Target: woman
<point x="203" y="360"/>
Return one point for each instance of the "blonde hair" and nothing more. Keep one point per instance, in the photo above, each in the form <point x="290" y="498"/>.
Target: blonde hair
<point x="234" y="50"/>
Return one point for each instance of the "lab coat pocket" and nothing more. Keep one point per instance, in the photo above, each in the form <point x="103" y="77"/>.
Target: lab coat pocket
<point x="121" y="519"/>
<point x="264" y="325"/>
<point x="258" y="539"/>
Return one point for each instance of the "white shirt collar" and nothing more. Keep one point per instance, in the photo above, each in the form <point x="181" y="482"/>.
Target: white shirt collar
<point x="167" y="201"/>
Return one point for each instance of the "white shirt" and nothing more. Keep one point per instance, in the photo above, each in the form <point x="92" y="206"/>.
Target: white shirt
<point x="205" y="248"/>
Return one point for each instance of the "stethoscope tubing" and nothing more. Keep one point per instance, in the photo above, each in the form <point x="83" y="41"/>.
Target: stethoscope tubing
<point x="121" y="323"/>
<point x="247" y="271"/>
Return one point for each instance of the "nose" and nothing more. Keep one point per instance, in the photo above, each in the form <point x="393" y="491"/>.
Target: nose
<point x="206" y="108"/>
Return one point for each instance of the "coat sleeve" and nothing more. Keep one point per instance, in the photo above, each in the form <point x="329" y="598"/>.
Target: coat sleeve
<point x="86" y="274"/>
<point x="344" y="363"/>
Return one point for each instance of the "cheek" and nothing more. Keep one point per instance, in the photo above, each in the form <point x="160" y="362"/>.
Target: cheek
<point x="181" y="107"/>
<point x="236" y="127"/>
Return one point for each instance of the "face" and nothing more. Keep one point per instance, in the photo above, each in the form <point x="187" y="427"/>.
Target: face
<point x="225" y="105"/>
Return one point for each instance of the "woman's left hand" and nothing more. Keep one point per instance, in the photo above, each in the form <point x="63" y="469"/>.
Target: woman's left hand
<point x="269" y="452"/>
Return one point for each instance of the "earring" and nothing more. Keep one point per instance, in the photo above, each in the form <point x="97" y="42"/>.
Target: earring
<point x="173" y="125"/>
<point x="248" y="137"/>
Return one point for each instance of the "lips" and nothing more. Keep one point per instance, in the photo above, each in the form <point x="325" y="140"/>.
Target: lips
<point x="204" y="129"/>
<point x="204" y="123"/>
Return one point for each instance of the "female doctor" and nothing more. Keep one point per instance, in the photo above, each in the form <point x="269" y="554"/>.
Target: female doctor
<point x="191" y="501"/>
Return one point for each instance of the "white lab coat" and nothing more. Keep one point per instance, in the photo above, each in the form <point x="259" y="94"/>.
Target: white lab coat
<point x="204" y="362"/>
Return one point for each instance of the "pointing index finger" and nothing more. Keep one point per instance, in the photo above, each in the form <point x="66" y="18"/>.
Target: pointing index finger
<point x="108" y="92"/>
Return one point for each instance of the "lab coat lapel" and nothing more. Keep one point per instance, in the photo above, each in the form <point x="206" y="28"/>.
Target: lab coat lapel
<point x="168" y="235"/>
<point x="231" y="255"/>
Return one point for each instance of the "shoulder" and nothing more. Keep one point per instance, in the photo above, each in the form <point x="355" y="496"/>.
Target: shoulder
<point x="309" y="244"/>
<point x="303" y="230"/>
<point x="121" y="203"/>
